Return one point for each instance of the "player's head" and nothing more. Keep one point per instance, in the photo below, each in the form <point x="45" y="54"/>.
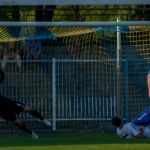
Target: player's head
<point x="116" y="121"/>
<point x="2" y="76"/>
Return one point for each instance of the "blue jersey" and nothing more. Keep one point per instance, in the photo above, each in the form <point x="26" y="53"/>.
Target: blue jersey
<point x="143" y="118"/>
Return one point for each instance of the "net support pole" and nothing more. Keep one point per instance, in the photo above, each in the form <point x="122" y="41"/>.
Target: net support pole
<point x="118" y="67"/>
<point x="126" y="92"/>
<point x="53" y="94"/>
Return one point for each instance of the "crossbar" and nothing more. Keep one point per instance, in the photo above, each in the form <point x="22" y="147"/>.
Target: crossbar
<point x="78" y="23"/>
<point x="73" y="2"/>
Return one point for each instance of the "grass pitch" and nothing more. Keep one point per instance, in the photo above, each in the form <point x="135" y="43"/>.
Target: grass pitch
<point x="59" y="141"/>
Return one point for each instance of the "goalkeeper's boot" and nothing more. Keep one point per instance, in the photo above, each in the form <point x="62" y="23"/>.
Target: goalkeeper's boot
<point x="34" y="135"/>
<point x="47" y="122"/>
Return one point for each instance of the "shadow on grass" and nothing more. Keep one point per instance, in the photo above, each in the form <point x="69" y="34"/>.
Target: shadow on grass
<point x="66" y="139"/>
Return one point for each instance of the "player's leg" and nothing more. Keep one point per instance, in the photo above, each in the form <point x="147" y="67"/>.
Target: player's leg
<point x="18" y="60"/>
<point x="36" y="114"/>
<point x="11" y="116"/>
<point x="23" y="127"/>
<point x="20" y="107"/>
<point x="29" y="64"/>
<point x="2" y="76"/>
<point x="146" y="131"/>
<point x="33" y="112"/>
<point x="4" y="62"/>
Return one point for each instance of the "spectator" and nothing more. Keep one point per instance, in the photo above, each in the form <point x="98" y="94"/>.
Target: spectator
<point x="33" y="50"/>
<point x="11" y="51"/>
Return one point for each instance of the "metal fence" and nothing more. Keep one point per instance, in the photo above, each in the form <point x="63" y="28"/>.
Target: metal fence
<point x="96" y="75"/>
<point x="75" y="93"/>
<point x="68" y="91"/>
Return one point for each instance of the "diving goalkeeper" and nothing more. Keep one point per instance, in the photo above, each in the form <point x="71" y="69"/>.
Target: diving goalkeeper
<point x="9" y="110"/>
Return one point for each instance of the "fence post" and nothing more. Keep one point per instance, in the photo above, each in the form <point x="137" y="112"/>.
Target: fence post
<point x="118" y="67"/>
<point x="54" y="94"/>
<point x="126" y="91"/>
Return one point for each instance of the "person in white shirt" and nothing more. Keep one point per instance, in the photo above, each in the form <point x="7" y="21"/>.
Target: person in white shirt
<point x="11" y="51"/>
<point x="130" y="130"/>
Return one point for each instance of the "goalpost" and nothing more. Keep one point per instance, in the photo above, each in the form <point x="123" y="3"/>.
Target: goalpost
<point x="94" y="70"/>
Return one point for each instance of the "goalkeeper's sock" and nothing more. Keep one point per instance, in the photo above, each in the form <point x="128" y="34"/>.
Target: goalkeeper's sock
<point x="37" y="115"/>
<point x="47" y="122"/>
<point x="34" y="135"/>
<point x="24" y="128"/>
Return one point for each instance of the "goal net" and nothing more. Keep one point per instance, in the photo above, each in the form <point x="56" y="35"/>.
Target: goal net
<point x="84" y="76"/>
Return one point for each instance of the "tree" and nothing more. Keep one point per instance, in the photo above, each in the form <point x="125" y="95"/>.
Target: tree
<point x="15" y="17"/>
<point x="142" y="12"/>
<point x="39" y="13"/>
<point x="48" y="12"/>
<point x="147" y="12"/>
<point x="44" y="13"/>
<point x="4" y="15"/>
<point x="15" y="13"/>
<point x="77" y="16"/>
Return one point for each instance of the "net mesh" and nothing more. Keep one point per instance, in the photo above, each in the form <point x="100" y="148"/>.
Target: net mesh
<point x="85" y="73"/>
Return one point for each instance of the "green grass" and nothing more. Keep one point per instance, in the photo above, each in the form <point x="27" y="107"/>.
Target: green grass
<point x="71" y="142"/>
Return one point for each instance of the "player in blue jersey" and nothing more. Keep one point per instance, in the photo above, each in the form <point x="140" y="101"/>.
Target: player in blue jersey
<point x="143" y="118"/>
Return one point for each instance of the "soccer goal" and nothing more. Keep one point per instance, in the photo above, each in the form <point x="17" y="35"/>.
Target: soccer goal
<point x="88" y="72"/>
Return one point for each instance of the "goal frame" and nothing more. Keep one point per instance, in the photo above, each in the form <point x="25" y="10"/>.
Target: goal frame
<point x="87" y="24"/>
<point x="72" y="2"/>
<point x="77" y="23"/>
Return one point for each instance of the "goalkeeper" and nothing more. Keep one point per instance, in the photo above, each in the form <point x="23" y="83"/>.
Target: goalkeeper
<point x="9" y="110"/>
